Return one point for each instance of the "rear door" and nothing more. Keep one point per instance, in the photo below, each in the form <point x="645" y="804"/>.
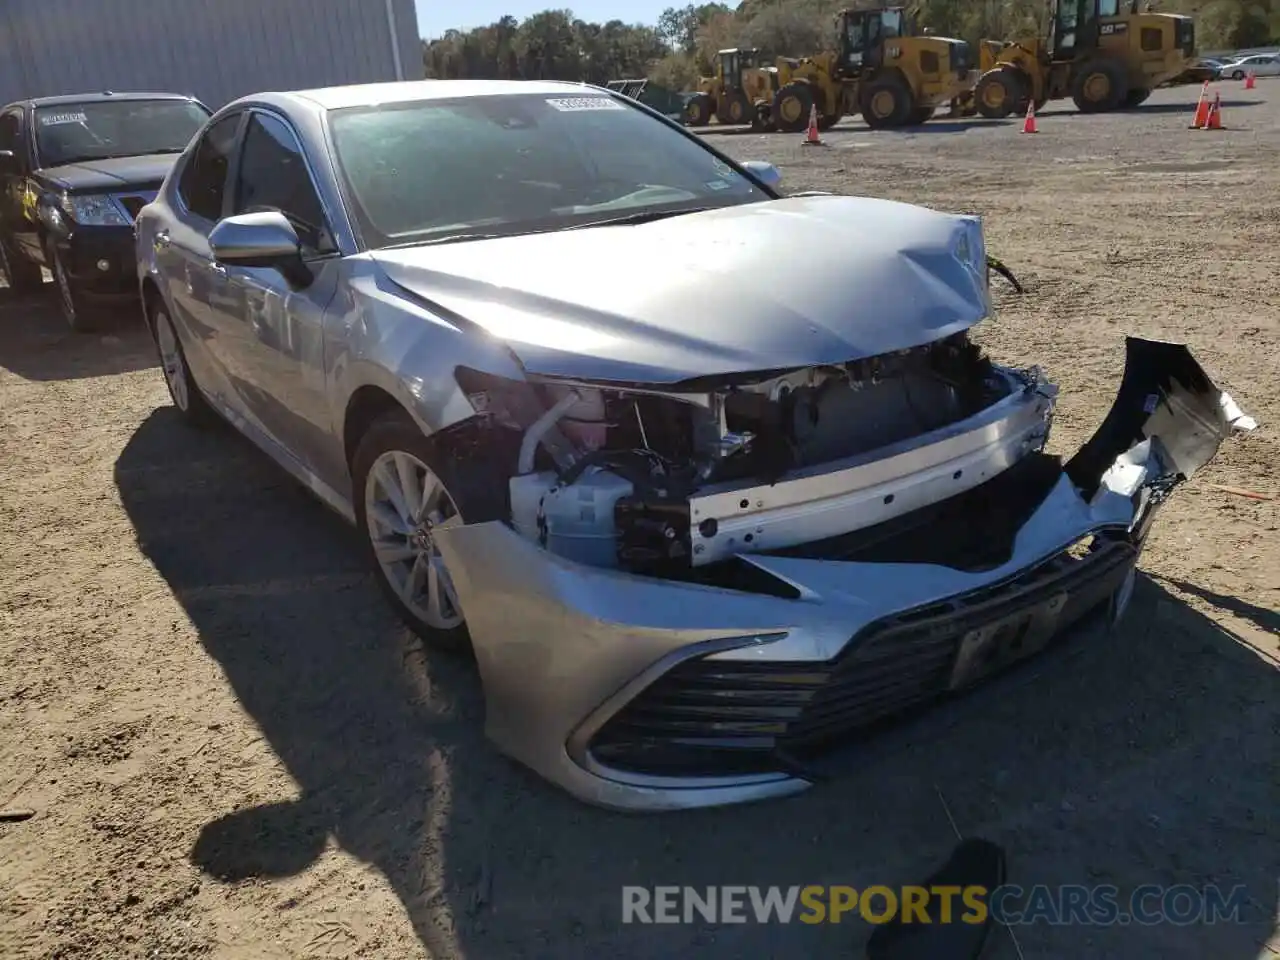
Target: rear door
<point x="185" y="260"/>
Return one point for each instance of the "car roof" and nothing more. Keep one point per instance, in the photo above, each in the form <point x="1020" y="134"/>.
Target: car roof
<point x="102" y="96"/>
<point x="371" y="94"/>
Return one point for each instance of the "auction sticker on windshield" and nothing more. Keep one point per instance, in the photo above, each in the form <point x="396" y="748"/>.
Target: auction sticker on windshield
<point x="567" y="104"/>
<point x="52" y="119"/>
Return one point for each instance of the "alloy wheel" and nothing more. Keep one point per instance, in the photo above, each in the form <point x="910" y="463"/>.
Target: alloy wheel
<point x="405" y="504"/>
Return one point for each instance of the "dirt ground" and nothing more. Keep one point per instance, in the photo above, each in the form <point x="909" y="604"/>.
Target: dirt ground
<point x="232" y="750"/>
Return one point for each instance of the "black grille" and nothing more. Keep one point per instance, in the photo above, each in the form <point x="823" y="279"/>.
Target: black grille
<point x="713" y="717"/>
<point x="132" y="205"/>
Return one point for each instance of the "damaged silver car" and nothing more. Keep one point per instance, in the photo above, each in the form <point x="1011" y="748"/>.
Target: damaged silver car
<point x="709" y="479"/>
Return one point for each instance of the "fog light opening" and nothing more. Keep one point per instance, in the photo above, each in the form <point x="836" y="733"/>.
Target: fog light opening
<point x="104" y="265"/>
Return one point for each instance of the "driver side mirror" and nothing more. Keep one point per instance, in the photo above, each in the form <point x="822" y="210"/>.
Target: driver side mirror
<point x="767" y="173"/>
<point x="9" y="163"/>
<point x="262" y="239"/>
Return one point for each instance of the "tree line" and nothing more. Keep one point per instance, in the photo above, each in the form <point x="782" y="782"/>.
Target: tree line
<point x="681" y="46"/>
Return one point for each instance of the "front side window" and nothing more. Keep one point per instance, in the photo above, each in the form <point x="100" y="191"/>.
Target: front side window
<point x="519" y="163"/>
<point x="105" y="129"/>
<point x="273" y="176"/>
<point x="204" y="179"/>
<point x="11" y="132"/>
<point x="1108" y="8"/>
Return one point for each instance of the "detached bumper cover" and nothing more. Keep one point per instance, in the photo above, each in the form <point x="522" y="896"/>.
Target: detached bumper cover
<point x="640" y="693"/>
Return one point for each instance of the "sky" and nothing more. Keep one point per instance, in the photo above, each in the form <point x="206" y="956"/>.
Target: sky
<point x="437" y="16"/>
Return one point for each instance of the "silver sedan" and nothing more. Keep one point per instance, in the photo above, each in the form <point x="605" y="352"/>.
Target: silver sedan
<point x="707" y="478"/>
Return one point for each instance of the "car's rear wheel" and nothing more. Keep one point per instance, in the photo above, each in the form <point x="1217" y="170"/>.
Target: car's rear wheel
<point x="186" y="396"/>
<point x="21" y="274"/>
<point x="401" y="501"/>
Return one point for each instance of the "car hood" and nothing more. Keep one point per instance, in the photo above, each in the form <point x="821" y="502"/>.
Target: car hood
<point x="763" y="286"/>
<point x="112" y="173"/>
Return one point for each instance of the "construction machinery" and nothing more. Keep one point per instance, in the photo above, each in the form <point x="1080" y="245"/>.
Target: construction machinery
<point x="651" y="95"/>
<point x="884" y="68"/>
<point x="1103" y="54"/>
<point x="740" y="92"/>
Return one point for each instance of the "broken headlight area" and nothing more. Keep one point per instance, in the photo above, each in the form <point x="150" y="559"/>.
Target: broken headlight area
<point x="680" y="482"/>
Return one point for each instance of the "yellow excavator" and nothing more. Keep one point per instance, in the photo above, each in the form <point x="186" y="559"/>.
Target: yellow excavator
<point x="1103" y="54"/>
<point x="741" y="91"/>
<point x="884" y="68"/>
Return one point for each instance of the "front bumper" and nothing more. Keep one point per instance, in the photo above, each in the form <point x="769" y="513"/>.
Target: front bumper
<point x="100" y="260"/>
<point x="647" y="694"/>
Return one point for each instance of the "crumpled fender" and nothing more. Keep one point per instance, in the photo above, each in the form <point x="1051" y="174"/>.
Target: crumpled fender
<point x="1167" y="421"/>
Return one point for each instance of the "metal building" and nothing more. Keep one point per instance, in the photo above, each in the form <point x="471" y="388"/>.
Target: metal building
<point x="215" y="49"/>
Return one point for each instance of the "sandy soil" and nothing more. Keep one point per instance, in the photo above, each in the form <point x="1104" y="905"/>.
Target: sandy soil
<point x="232" y="750"/>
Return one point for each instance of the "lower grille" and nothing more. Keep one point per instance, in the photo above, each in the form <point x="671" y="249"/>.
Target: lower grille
<point x="716" y="717"/>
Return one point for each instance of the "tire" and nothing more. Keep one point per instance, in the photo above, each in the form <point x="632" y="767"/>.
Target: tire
<point x="23" y="276"/>
<point x="1001" y="92"/>
<point x="1099" y="87"/>
<point x="183" y="390"/>
<point x="887" y="103"/>
<point x="763" y="121"/>
<point x="921" y="115"/>
<point x="829" y="120"/>
<point x="791" y="106"/>
<point x="697" y="110"/>
<point x="79" y="316"/>
<point x="738" y="110"/>
<point x="392" y="448"/>
<point x="1136" y="97"/>
<point x="1238" y="75"/>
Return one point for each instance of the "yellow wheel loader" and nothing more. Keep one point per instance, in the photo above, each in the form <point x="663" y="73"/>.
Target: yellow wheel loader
<point x="741" y="92"/>
<point x="1103" y="54"/>
<point x="884" y="69"/>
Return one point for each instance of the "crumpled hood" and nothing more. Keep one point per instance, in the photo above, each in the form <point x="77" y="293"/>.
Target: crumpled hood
<point x="113" y="173"/>
<point x="763" y="286"/>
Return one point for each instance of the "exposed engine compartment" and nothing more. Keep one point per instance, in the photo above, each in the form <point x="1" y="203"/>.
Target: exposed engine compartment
<point x="663" y="481"/>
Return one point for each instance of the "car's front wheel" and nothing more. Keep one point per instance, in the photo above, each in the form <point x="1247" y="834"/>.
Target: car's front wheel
<point x="74" y="310"/>
<point x="402" y="497"/>
<point x="1238" y="75"/>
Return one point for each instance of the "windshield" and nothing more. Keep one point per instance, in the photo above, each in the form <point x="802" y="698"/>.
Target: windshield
<point x="519" y="163"/>
<point x="72" y="132"/>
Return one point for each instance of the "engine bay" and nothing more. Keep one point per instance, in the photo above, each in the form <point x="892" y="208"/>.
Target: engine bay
<point x="663" y="481"/>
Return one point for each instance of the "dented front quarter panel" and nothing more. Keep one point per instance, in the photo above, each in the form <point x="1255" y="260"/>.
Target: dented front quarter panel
<point x="561" y="647"/>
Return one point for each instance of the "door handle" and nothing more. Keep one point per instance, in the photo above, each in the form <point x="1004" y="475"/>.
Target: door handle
<point x="161" y="239"/>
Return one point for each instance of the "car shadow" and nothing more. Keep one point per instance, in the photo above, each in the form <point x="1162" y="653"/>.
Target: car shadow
<point x="36" y="344"/>
<point x="1141" y="756"/>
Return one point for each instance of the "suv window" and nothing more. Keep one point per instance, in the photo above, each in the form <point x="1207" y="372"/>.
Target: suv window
<point x="273" y="176"/>
<point x="204" y="179"/>
<point x="11" y="131"/>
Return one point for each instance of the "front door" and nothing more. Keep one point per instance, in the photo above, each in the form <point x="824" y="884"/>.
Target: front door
<point x="17" y="207"/>
<point x="272" y="331"/>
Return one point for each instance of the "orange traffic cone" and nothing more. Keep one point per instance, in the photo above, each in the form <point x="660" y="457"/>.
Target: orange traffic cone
<point x="1029" y="122"/>
<point x="811" y="138"/>
<point x="1202" y="108"/>
<point x="1249" y="80"/>
<point x="1215" y="114"/>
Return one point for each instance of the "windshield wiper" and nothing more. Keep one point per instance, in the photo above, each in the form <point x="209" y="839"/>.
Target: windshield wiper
<point x="641" y="216"/>
<point x="456" y="238"/>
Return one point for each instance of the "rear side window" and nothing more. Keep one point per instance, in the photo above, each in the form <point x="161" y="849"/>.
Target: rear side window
<point x="204" y="179"/>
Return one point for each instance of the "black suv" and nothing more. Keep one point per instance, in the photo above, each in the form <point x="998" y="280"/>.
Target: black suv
<point x="74" y="172"/>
